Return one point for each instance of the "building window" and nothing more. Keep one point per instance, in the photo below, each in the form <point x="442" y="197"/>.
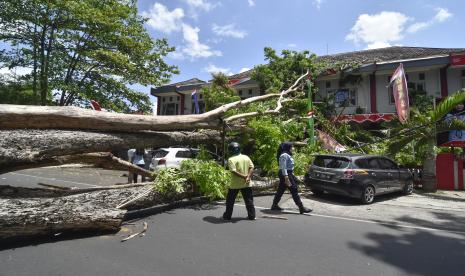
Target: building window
<point x="343" y="97"/>
<point x="250" y="92"/>
<point x="421" y="76"/>
<point x="171" y="99"/>
<point x="391" y="95"/>
<point x="164" y="99"/>
<point x="239" y="92"/>
<point x="178" y="98"/>
<point x="170" y="109"/>
<point x="328" y="84"/>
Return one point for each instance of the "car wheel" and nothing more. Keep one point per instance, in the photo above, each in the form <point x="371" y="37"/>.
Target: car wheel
<point x="368" y="195"/>
<point x="317" y="192"/>
<point x="408" y="188"/>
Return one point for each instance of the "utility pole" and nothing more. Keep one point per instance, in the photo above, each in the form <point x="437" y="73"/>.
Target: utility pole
<point x="311" y="114"/>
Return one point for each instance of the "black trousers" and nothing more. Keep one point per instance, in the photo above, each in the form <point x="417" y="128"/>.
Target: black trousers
<point x="134" y="176"/>
<point x="282" y="187"/>
<point x="248" y="199"/>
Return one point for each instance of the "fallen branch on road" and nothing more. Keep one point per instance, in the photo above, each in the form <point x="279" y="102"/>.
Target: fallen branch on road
<point x="142" y="233"/>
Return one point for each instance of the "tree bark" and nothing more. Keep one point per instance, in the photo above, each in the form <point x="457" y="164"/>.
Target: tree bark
<point x="59" y="117"/>
<point x="104" y="160"/>
<point x="27" y="148"/>
<point x="94" y="211"/>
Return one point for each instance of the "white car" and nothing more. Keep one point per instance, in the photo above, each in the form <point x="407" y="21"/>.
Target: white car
<point x="171" y="157"/>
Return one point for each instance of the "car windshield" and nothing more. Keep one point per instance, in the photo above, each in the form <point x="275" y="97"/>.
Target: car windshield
<point x="331" y="162"/>
<point x="159" y="153"/>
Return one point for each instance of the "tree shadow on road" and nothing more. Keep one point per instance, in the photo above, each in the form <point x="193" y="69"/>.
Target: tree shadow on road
<point x="420" y="251"/>
<point x="13" y="243"/>
<point x="335" y="199"/>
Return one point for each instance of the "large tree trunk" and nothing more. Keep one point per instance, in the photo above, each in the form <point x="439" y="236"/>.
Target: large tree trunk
<point x="22" y="149"/>
<point x="26" y="212"/>
<point x="92" y="211"/>
<point x="59" y="117"/>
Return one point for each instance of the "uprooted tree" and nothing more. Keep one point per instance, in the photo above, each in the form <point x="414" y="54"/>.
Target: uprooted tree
<point x="33" y="136"/>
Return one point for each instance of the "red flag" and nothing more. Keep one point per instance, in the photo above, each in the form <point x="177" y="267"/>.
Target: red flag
<point x="400" y="92"/>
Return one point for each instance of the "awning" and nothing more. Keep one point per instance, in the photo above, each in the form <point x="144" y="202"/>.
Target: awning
<point x="456" y="144"/>
<point x="361" y="118"/>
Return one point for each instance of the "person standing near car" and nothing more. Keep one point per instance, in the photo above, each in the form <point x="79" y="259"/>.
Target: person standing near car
<point x="241" y="168"/>
<point x="287" y="178"/>
<point x="138" y="160"/>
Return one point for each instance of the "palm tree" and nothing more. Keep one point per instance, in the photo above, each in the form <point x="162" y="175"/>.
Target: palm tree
<point x="421" y="131"/>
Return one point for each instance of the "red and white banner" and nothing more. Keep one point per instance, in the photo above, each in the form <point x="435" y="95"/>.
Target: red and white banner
<point x="400" y="91"/>
<point x="329" y="142"/>
<point x="361" y="118"/>
<point x="233" y="82"/>
<point x="457" y="59"/>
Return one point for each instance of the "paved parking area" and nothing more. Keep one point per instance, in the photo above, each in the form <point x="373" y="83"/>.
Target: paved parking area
<point x="396" y="235"/>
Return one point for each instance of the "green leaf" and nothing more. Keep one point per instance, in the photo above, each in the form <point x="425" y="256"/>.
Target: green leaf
<point x="447" y="104"/>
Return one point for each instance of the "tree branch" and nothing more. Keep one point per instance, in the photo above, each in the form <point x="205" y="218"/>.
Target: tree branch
<point x="57" y="117"/>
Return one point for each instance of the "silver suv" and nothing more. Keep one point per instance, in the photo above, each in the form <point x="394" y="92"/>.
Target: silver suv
<point x="358" y="176"/>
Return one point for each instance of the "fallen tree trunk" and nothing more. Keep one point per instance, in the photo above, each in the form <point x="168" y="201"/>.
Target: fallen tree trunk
<point x="67" y="117"/>
<point x="28" y="148"/>
<point x="91" y="211"/>
<point x="26" y="212"/>
<point x="103" y="160"/>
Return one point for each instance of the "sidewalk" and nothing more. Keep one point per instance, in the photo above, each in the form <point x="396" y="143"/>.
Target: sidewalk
<point x="444" y="195"/>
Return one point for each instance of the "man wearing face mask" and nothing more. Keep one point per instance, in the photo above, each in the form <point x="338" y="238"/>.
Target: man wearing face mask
<point x="241" y="168"/>
<point x="287" y="178"/>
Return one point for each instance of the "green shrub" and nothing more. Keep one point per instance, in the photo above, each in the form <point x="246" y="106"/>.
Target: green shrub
<point x="211" y="179"/>
<point x="169" y="182"/>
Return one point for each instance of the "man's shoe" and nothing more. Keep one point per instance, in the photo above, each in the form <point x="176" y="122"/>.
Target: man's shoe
<point x="275" y="207"/>
<point x="303" y="210"/>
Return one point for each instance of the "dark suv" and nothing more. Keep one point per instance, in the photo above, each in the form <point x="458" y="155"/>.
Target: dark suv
<point x="358" y="176"/>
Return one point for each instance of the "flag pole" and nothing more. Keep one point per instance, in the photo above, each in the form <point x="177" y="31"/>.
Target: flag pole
<point x="311" y="131"/>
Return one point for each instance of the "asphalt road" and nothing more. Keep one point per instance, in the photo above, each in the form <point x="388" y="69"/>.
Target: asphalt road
<point x="339" y="238"/>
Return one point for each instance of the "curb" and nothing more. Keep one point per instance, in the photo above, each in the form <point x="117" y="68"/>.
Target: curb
<point x="157" y="209"/>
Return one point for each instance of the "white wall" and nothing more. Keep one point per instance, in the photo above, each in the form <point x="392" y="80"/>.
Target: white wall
<point x="454" y="77"/>
<point x="382" y="95"/>
<point x="362" y="98"/>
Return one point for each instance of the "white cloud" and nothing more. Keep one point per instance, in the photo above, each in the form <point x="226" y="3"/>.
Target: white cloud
<point x="379" y="44"/>
<point x="440" y="16"/>
<point x="194" y="48"/>
<point x="251" y="3"/>
<point x="292" y="45"/>
<point x="17" y="71"/>
<point x="161" y="19"/>
<point x="214" y="69"/>
<point x="244" y="69"/>
<point x="318" y="3"/>
<point x="378" y="29"/>
<point x="418" y="27"/>
<point x="228" y="31"/>
<point x="200" y="4"/>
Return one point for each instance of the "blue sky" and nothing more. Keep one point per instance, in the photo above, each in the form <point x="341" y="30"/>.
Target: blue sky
<point x="230" y="35"/>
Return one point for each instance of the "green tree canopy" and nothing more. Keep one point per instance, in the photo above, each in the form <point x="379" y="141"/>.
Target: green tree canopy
<point x="82" y="50"/>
